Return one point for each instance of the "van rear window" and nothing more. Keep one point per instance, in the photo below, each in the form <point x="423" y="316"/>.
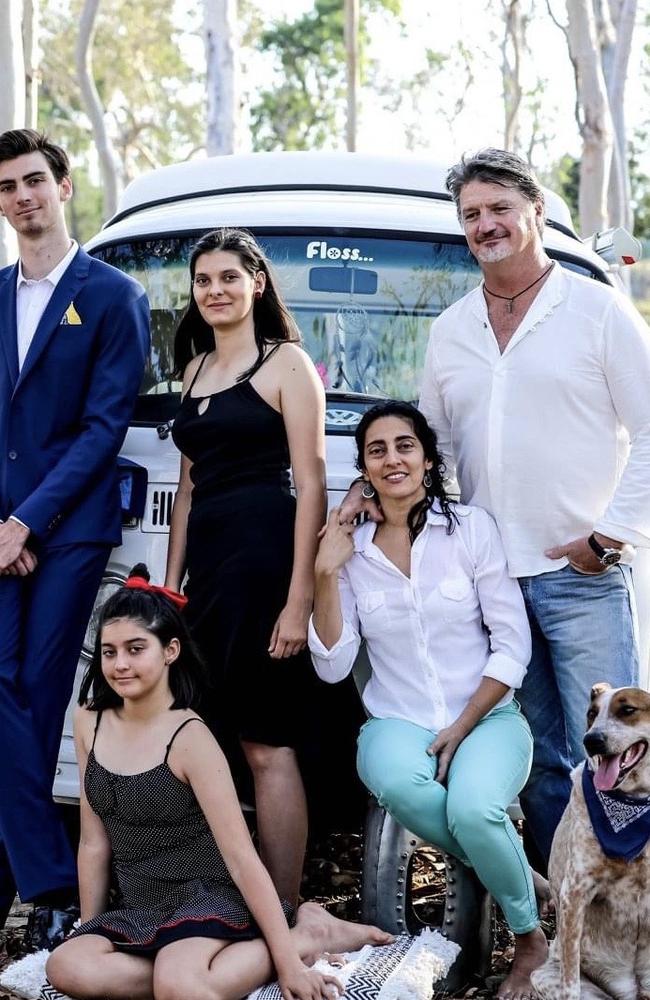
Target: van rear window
<point x="364" y="305"/>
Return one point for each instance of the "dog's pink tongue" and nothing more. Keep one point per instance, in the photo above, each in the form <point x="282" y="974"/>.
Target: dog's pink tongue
<point x="607" y="773"/>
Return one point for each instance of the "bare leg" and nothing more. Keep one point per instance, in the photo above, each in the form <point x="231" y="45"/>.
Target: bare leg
<point x="88" y="966"/>
<point x="202" y="969"/>
<point x="531" y="951"/>
<point x="281" y="815"/>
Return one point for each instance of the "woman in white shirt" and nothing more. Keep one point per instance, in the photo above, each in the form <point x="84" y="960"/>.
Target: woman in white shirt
<point x="446" y="748"/>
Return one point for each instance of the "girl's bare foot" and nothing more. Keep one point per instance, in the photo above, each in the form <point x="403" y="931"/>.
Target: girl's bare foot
<point x="545" y="903"/>
<point x="530" y="952"/>
<point x="340" y="935"/>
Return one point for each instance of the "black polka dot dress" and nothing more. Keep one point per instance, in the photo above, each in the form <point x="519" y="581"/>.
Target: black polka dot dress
<point x="173" y="882"/>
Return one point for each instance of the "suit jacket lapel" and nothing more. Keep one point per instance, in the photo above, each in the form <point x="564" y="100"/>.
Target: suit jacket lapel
<point x="8" y="330"/>
<point x="62" y="296"/>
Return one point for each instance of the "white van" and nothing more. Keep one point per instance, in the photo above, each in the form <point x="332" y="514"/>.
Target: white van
<point x="368" y="250"/>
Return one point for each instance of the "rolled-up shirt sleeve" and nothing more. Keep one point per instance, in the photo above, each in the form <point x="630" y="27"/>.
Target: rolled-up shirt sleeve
<point x="502" y="607"/>
<point x="332" y="665"/>
<point x="626" y="363"/>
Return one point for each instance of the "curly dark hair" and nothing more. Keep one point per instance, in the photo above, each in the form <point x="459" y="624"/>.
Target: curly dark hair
<point x="417" y="515"/>
<point x="188" y="678"/>
<point x="273" y="321"/>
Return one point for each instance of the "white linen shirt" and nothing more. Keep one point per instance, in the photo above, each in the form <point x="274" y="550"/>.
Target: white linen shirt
<point x="432" y="637"/>
<point x="540" y="435"/>
<point x="32" y="297"/>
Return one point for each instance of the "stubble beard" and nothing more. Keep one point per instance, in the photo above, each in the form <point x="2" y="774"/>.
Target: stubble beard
<point x="493" y="255"/>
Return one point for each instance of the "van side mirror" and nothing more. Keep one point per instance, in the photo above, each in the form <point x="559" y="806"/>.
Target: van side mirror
<point x="616" y="246"/>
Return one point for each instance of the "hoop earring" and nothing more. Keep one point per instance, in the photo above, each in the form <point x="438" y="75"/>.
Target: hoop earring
<point x="368" y="491"/>
<point x="427" y="481"/>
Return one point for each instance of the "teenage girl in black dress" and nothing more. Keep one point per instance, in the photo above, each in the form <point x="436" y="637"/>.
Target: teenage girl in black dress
<point x="253" y="406"/>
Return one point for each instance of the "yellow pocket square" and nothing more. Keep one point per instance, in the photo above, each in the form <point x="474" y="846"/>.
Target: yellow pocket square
<point x="72" y="317"/>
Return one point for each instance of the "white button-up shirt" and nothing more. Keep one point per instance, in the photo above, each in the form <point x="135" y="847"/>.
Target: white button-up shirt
<point x="432" y="637"/>
<point x="540" y="435"/>
<point x="32" y="297"/>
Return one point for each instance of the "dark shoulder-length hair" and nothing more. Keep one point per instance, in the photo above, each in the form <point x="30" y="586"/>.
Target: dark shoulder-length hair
<point x="273" y="321"/>
<point x="188" y="679"/>
<point x="435" y="493"/>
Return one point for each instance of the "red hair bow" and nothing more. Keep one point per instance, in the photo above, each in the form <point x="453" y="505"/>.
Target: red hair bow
<point x="140" y="583"/>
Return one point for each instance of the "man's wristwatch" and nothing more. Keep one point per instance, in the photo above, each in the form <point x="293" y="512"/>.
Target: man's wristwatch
<point x="606" y="557"/>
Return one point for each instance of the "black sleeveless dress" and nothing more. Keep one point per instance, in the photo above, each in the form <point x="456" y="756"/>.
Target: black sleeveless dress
<point x="172" y="880"/>
<point x="239" y="556"/>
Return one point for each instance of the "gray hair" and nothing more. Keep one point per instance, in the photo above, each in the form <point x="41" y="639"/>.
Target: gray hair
<point x="494" y="166"/>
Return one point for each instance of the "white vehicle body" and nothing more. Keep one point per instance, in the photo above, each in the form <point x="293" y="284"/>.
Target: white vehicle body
<point x="368" y="251"/>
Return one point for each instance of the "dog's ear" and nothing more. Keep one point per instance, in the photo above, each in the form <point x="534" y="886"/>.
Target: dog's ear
<point x="600" y="688"/>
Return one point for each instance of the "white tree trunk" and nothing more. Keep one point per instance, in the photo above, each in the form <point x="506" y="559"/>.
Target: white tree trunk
<point x="616" y="56"/>
<point x="108" y="161"/>
<point x="512" y="48"/>
<point x="12" y="91"/>
<point x="31" y="20"/>
<point x="219" y="38"/>
<point x="352" y="71"/>
<point x="596" y="121"/>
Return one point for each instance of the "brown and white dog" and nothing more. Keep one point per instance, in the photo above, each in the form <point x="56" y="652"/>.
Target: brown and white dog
<point x="602" y="948"/>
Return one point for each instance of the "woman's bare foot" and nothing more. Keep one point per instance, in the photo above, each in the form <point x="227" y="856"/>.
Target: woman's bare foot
<point x="530" y="952"/>
<point x="545" y="903"/>
<point x="340" y="935"/>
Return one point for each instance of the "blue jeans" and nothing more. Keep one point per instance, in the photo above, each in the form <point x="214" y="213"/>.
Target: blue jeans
<point x="584" y="631"/>
<point x="468" y="818"/>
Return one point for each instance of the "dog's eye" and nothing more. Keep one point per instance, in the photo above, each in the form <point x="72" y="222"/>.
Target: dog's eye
<point x="627" y="710"/>
<point x="591" y="715"/>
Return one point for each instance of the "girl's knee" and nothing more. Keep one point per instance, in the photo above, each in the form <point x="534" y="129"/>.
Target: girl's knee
<point x="169" y="985"/>
<point x="62" y="969"/>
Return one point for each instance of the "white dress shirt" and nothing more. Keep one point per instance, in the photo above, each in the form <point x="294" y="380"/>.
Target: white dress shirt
<point x="32" y="297"/>
<point x="552" y="436"/>
<point x="432" y="637"/>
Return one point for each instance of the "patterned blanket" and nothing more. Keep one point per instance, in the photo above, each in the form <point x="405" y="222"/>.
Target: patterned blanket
<point x="404" y="970"/>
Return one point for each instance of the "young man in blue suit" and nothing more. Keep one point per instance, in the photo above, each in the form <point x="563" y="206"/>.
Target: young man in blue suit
<point x="74" y="336"/>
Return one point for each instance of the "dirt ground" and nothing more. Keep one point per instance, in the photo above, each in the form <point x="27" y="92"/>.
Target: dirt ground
<point x="332" y="878"/>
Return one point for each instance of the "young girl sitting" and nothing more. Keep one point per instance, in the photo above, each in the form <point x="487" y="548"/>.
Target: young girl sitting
<point x="198" y="915"/>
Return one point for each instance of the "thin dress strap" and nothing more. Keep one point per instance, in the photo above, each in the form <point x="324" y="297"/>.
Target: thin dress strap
<point x="99" y="719"/>
<point x="194" y="718"/>
<point x="262" y="361"/>
<point x="196" y="374"/>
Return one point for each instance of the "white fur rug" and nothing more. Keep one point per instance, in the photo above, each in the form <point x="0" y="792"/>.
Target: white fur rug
<point x="404" y="970"/>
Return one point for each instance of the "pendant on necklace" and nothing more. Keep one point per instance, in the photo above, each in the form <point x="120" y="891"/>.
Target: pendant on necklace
<point x="510" y="305"/>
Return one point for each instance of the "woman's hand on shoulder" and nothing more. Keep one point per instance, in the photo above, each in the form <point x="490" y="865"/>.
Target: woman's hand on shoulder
<point x="336" y="545"/>
<point x="303" y="983"/>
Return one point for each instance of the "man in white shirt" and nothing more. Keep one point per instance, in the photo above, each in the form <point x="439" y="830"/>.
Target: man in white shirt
<point x="537" y="385"/>
<point x="73" y="341"/>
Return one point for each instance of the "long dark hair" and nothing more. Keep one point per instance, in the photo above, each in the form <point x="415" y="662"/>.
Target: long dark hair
<point x="188" y="679"/>
<point x="417" y="515"/>
<point x="273" y="321"/>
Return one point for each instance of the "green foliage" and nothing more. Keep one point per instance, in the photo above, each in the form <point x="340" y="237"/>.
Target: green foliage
<point x="640" y="183"/>
<point x="304" y="105"/>
<point x="564" y="178"/>
<point x="152" y="96"/>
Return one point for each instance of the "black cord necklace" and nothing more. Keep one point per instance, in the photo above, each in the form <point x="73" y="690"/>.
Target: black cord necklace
<point x="511" y="298"/>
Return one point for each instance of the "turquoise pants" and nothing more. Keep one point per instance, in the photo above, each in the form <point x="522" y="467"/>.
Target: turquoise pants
<point x="468" y="818"/>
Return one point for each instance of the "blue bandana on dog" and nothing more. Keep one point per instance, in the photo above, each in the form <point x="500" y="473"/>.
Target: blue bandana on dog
<point x="620" y="822"/>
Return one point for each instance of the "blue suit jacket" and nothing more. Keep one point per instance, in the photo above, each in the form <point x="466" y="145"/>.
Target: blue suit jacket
<point x="64" y="417"/>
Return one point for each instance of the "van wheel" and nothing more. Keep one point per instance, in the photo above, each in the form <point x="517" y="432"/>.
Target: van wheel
<point x="386" y="897"/>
